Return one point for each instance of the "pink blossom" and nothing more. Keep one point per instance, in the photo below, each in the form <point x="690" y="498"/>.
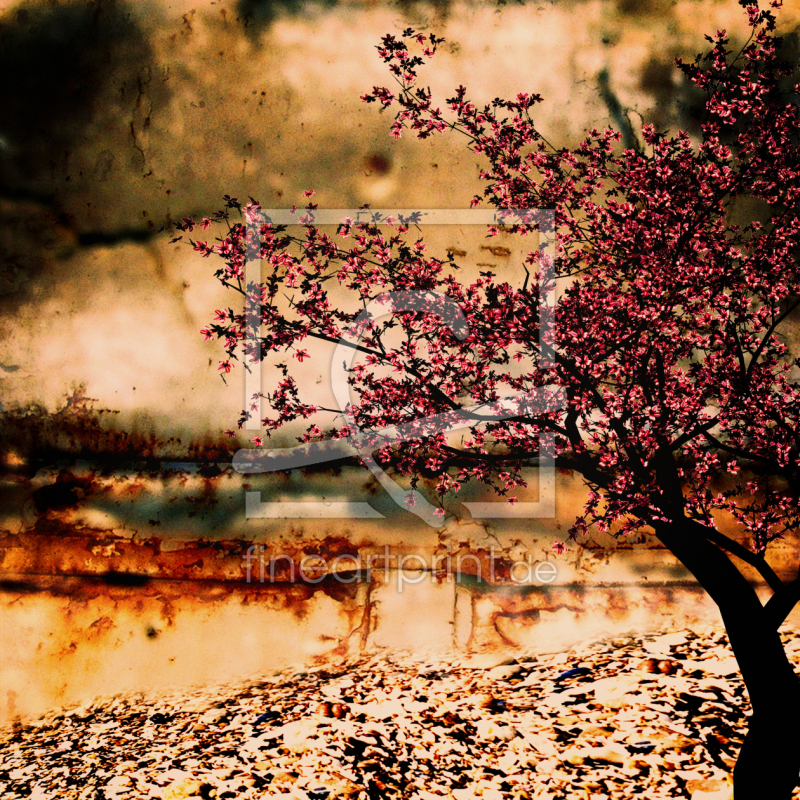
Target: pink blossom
<point x="682" y="407"/>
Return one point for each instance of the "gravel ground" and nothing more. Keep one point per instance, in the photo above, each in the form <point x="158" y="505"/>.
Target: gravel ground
<point x="659" y="715"/>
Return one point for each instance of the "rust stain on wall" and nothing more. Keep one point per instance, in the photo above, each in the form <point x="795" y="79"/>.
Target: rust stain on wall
<point x="33" y="436"/>
<point x="122" y="546"/>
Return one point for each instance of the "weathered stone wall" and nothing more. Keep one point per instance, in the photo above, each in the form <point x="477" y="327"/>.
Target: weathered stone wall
<point x="122" y="530"/>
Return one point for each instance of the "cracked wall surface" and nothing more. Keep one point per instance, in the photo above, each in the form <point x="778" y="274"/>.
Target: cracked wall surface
<point x="122" y="526"/>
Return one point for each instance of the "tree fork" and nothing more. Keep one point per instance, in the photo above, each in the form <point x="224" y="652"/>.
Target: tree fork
<point x="769" y="761"/>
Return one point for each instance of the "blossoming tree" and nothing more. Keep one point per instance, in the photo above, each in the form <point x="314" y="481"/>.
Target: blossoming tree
<point x="682" y="409"/>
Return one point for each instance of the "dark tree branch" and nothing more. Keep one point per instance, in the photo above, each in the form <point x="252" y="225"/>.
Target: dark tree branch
<point x="780" y="605"/>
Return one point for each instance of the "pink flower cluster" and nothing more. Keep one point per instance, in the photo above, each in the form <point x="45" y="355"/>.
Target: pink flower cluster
<point x="682" y="398"/>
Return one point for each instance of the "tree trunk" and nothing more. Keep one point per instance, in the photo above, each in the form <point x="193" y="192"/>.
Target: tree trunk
<point x="769" y="761"/>
<point x="767" y="766"/>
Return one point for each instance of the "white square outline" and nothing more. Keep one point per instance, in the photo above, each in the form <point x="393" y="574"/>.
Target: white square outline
<point x="544" y="508"/>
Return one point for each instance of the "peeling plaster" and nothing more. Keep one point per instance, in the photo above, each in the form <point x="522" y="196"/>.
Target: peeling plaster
<point x="122" y="526"/>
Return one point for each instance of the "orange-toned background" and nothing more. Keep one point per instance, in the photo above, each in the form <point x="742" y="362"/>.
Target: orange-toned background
<point x="121" y="531"/>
